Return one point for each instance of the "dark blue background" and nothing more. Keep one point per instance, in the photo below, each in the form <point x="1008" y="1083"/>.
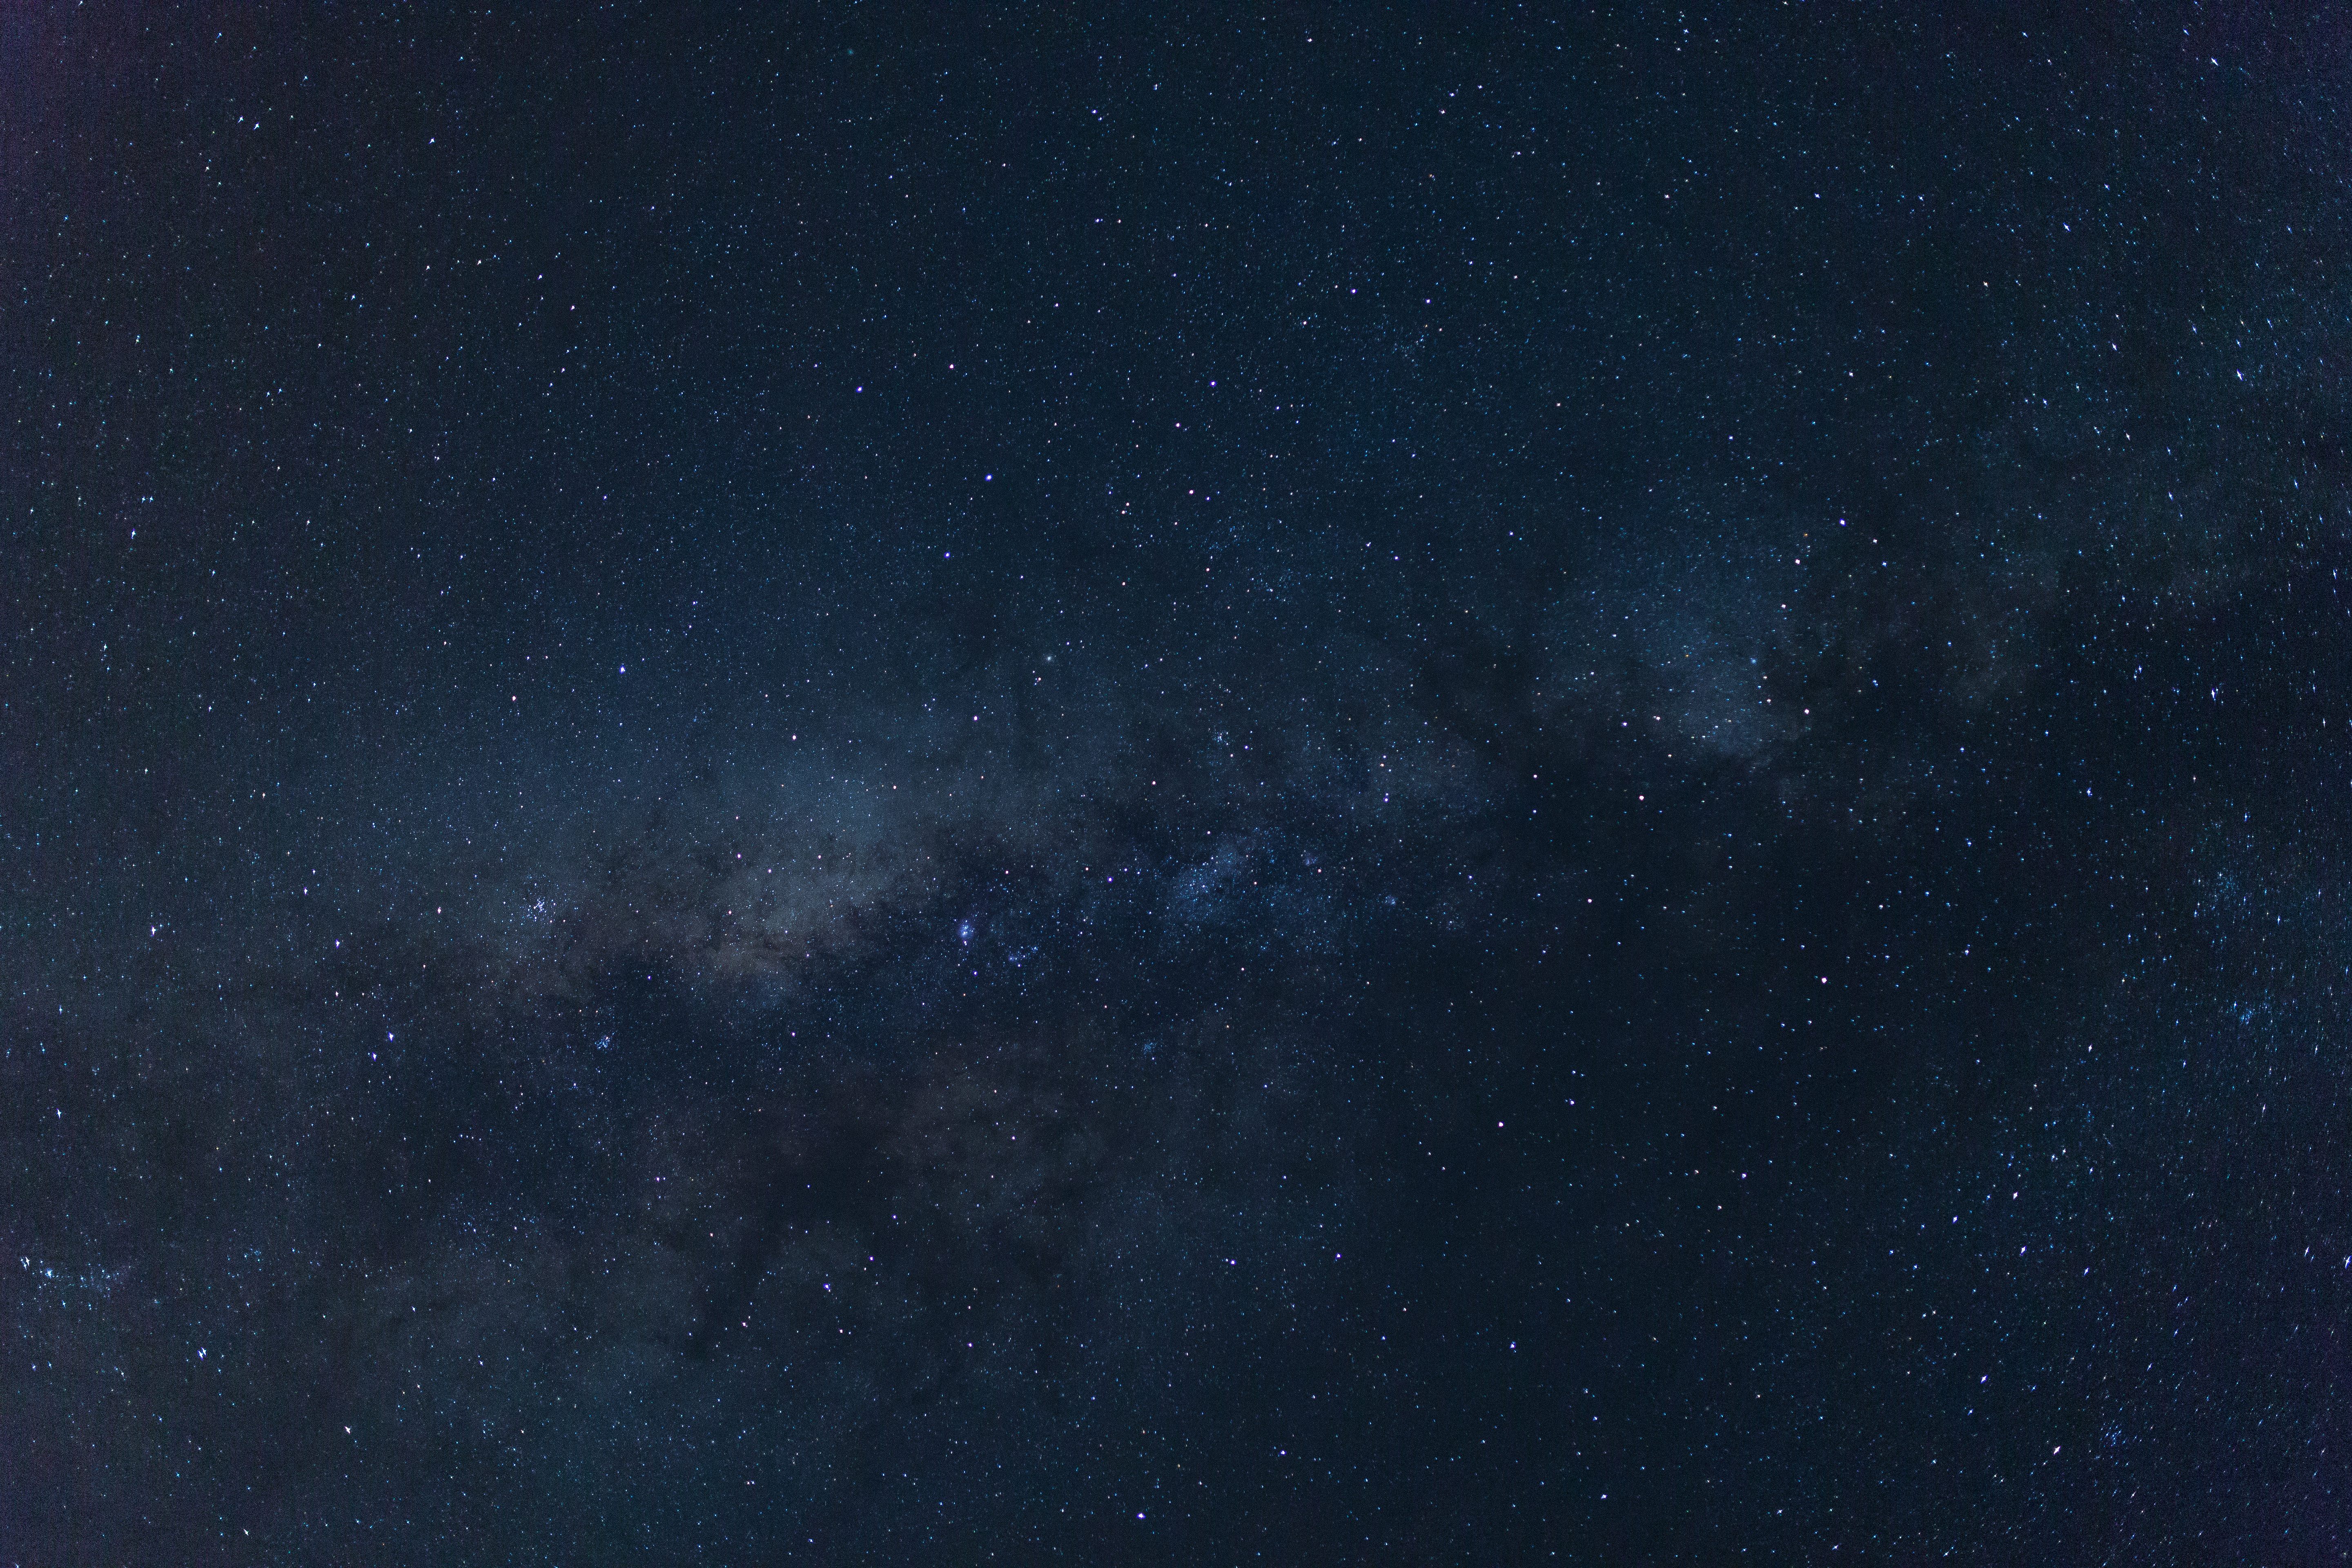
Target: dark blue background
<point x="894" y="783"/>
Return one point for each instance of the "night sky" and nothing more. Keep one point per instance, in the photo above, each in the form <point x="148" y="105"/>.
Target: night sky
<point x="1017" y="783"/>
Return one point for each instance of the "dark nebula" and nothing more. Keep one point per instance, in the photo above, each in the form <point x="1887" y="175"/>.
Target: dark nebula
<point x="990" y="783"/>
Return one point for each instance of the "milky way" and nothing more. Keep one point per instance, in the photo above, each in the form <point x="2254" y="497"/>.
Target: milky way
<point x="812" y="789"/>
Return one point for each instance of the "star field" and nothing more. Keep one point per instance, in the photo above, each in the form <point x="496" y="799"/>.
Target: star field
<point x="957" y="785"/>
